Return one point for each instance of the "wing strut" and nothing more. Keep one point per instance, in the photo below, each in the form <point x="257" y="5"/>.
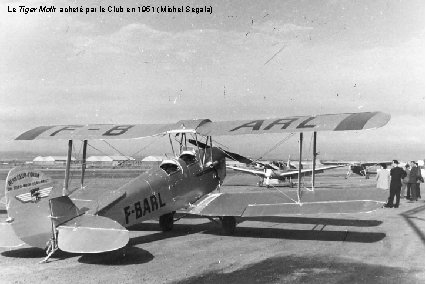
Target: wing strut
<point x="67" y="170"/>
<point x="314" y="156"/>
<point x="83" y="162"/>
<point x="299" y="176"/>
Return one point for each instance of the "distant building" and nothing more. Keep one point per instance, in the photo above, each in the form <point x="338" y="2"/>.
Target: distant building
<point x="109" y="161"/>
<point x="51" y="160"/>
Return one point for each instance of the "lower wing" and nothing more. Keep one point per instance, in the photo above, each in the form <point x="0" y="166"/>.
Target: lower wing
<point x="306" y="172"/>
<point x="255" y="204"/>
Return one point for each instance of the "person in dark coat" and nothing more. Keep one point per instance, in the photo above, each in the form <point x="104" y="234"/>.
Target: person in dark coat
<point x="397" y="174"/>
<point x="419" y="174"/>
<point x="412" y="182"/>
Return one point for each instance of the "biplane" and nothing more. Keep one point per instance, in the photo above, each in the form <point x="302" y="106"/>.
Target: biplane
<point x="278" y="172"/>
<point x="44" y="214"/>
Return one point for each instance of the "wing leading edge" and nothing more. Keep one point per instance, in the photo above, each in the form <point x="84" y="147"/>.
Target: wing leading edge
<point x="326" y="122"/>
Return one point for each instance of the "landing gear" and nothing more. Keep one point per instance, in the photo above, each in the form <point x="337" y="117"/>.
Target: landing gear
<point x="166" y="222"/>
<point x="228" y="225"/>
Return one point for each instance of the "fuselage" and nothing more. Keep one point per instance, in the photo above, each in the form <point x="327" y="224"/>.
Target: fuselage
<point x="172" y="186"/>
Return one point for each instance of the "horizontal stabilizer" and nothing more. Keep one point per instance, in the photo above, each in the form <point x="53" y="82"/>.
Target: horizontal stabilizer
<point x="91" y="234"/>
<point x="326" y="207"/>
<point x="8" y="238"/>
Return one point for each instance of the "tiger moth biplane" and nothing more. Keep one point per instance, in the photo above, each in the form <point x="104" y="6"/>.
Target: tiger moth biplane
<point x="44" y="214"/>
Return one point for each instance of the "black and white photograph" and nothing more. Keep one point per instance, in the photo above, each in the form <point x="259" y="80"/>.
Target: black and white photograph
<point x="212" y="141"/>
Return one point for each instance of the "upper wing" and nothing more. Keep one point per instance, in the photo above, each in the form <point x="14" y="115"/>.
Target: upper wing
<point x="94" y="131"/>
<point x="109" y="131"/>
<point x="330" y="122"/>
<point x="326" y="122"/>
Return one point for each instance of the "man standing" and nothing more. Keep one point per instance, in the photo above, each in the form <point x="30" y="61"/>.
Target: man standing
<point x="404" y="191"/>
<point x="397" y="174"/>
<point x="419" y="178"/>
<point x="412" y="182"/>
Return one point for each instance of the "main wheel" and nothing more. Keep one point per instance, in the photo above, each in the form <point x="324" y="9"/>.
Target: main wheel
<point x="228" y="225"/>
<point x="166" y="222"/>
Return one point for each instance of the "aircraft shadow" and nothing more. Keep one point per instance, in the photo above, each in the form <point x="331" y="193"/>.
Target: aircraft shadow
<point x="307" y="269"/>
<point x="322" y="221"/>
<point x="314" y="235"/>
<point x="255" y="232"/>
<point x="25" y="253"/>
<point x="36" y="253"/>
<point x="125" y="256"/>
<point x="178" y="231"/>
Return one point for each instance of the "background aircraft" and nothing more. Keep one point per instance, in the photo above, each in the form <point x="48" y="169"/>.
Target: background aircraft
<point x="364" y="169"/>
<point x="278" y="172"/>
<point x="43" y="214"/>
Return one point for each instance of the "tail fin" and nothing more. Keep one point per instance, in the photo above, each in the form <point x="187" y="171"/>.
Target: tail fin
<point x="289" y="165"/>
<point x="27" y="203"/>
<point x="38" y="213"/>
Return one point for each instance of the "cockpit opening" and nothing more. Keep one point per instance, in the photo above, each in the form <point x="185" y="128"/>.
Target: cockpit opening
<point x="170" y="166"/>
<point x="188" y="156"/>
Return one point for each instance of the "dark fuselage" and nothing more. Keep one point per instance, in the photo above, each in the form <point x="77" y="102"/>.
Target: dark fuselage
<point x="158" y="192"/>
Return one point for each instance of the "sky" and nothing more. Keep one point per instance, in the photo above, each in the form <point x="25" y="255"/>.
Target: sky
<point x="245" y="60"/>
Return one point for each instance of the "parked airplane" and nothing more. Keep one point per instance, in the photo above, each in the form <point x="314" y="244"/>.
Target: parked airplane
<point x="364" y="169"/>
<point x="45" y="215"/>
<point x="278" y="172"/>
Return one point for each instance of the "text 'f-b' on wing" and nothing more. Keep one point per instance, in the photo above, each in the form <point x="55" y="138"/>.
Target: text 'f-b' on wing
<point x="93" y="131"/>
<point x="326" y="122"/>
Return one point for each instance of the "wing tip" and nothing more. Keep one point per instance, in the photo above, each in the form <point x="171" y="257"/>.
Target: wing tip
<point x="33" y="133"/>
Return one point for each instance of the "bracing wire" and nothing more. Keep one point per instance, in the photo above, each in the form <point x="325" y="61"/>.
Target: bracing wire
<point x="275" y="146"/>
<point x="143" y="148"/>
<point x="276" y="188"/>
<point x="118" y="151"/>
<point x="100" y="151"/>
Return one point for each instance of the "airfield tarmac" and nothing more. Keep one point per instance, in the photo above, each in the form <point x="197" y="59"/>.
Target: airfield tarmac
<point x="386" y="246"/>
